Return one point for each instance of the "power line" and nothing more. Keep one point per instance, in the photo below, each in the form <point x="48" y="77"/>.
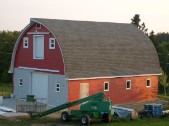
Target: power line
<point x="5" y="53"/>
<point x="7" y="43"/>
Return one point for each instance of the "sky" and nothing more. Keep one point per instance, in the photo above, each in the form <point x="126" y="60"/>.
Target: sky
<point x="16" y="14"/>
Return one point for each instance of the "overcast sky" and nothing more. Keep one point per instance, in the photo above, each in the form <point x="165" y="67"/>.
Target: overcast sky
<point x="16" y="14"/>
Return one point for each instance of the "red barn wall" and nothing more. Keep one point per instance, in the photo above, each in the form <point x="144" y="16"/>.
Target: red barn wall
<point x="117" y="89"/>
<point x="52" y="57"/>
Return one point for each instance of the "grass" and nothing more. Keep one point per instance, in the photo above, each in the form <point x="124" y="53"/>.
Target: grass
<point x="5" y="89"/>
<point x="26" y="121"/>
<point x="148" y="121"/>
<point x="164" y="97"/>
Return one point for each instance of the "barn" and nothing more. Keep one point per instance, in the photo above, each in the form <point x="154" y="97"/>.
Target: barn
<point x="64" y="60"/>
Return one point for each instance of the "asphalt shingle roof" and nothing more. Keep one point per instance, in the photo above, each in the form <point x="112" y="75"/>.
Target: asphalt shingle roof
<point x="101" y="49"/>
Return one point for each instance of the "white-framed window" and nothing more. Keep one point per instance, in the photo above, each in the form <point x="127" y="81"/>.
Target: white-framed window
<point x="128" y="84"/>
<point x="57" y="89"/>
<point x="148" y="83"/>
<point x="25" y="42"/>
<point x="52" y="43"/>
<point x="38" y="47"/>
<point x="20" y="82"/>
<point x="106" y="86"/>
<point x="38" y="26"/>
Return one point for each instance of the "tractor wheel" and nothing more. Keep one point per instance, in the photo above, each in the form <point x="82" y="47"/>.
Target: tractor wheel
<point x="106" y="117"/>
<point x="85" y="120"/>
<point x="65" y="116"/>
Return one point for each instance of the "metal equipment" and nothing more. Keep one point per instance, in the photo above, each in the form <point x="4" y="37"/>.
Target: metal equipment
<point x="30" y="104"/>
<point x="152" y="109"/>
<point x="94" y="106"/>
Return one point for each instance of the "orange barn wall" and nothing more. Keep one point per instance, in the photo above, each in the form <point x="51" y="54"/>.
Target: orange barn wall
<point x="117" y="89"/>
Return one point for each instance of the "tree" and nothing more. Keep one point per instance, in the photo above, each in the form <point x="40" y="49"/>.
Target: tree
<point x="163" y="81"/>
<point x="152" y="37"/>
<point x="5" y="77"/>
<point x="7" y="42"/>
<point x="143" y="28"/>
<point x="136" y="21"/>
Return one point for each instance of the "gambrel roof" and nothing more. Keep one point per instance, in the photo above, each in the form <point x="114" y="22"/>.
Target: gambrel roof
<point x="102" y="49"/>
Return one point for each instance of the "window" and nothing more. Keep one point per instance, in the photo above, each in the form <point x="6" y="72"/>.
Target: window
<point x="52" y="43"/>
<point x="57" y="87"/>
<point x="20" y="82"/>
<point x="106" y="86"/>
<point x="38" y="47"/>
<point x="128" y="84"/>
<point x="148" y="83"/>
<point x="38" y="26"/>
<point x="25" y="42"/>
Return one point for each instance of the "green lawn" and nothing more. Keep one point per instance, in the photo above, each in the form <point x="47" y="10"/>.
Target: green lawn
<point x="163" y="97"/>
<point x="5" y="89"/>
<point x="148" y="121"/>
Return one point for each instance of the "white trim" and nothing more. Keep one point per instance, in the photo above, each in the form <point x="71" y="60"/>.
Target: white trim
<point x="37" y="69"/>
<point x="129" y="85"/>
<point x="34" y="49"/>
<point x="38" y="33"/>
<point x="150" y="83"/>
<point x="20" y="85"/>
<point x="50" y="43"/>
<point x="57" y="40"/>
<point x="32" y="22"/>
<point x="31" y="19"/>
<point x="57" y="83"/>
<point x="25" y="41"/>
<point x="108" y="86"/>
<point x="92" y="78"/>
<point x="11" y="69"/>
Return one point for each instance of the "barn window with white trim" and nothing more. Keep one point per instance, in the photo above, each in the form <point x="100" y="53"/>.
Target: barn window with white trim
<point x="128" y="84"/>
<point x="20" y="82"/>
<point x="106" y="86"/>
<point x="57" y="87"/>
<point x="51" y="43"/>
<point x="148" y="83"/>
<point x="25" y="42"/>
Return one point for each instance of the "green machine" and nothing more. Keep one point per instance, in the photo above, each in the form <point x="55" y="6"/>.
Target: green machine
<point x="94" y="106"/>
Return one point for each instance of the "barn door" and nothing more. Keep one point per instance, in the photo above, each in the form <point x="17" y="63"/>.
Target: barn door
<point x="38" y="47"/>
<point x="40" y="85"/>
<point x="84" y="90"/>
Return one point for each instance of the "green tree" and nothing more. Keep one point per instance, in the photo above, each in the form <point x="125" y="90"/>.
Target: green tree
<point x="7" y="42"/>
<point x="5" y="76"/>
<point x="152" y="37"/>
<point x="163" y="81"/>
<point x="143" y="28"/>
<point x="136" y="22"/>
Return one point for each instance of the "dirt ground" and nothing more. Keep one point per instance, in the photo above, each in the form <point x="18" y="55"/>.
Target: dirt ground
<point x="139" y="106"/>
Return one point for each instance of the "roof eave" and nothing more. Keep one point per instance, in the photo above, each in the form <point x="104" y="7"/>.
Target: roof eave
<point x="92" y="78"/>
<point x="11" y="68"/>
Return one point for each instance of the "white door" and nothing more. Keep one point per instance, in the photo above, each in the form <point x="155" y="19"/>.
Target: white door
<point x="40" y="85"/>
<point x="38" y="47"/>
<point x="84" y="90"/>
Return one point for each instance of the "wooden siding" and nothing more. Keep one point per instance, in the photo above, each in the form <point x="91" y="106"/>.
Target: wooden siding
<point x="117" y="89"/>
<point x="52" y="57"/>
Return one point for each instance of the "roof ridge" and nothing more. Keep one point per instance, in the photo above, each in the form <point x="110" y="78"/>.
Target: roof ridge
<point x="80" y="21"/>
